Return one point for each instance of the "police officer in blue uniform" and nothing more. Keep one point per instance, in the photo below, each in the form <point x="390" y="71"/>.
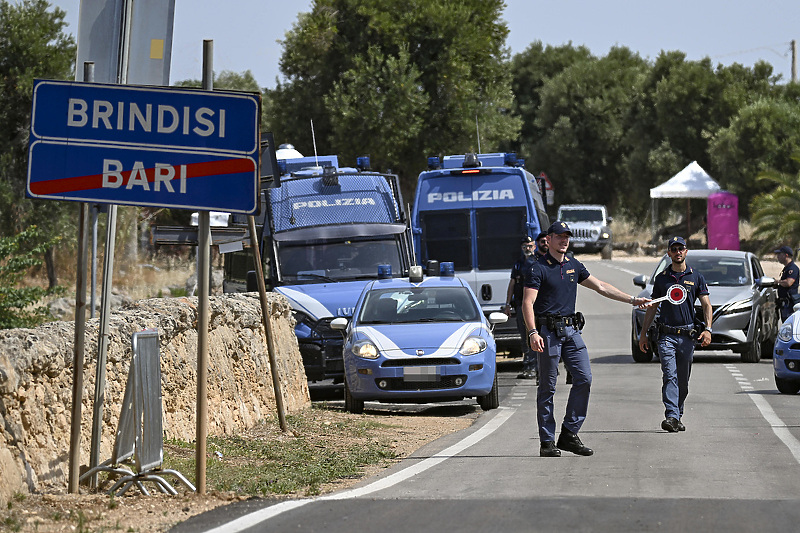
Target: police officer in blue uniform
<point x="787" y="285"/>
<point x="529" y="253"/>
<point x="676" y="329"/>
<point x="551" y="288"/>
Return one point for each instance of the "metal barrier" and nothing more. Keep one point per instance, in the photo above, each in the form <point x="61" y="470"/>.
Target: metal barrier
<point x="140" y="432"/>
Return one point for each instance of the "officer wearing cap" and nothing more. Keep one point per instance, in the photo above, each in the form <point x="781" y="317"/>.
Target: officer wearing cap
<point x="677" y="330"/>
<point x="787" y="285"/>
<point x="551" y="287"/>
<point x="514" y="298"/>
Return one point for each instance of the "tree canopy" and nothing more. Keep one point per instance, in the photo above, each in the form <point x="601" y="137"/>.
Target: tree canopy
<point x="395" y="79"/>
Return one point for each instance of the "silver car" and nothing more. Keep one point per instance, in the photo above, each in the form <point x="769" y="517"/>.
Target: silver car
<point x="746" y="317"/>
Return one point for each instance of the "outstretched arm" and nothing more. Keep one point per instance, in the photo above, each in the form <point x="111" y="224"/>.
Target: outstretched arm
<point x="611" y="292"/>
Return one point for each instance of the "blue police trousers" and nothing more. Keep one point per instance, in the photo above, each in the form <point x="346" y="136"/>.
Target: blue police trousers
<point x="676" y="353"/>
<point x="573" y="351"/>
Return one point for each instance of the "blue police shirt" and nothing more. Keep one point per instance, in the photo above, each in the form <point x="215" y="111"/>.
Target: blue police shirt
<point x="695" y="285"/>
<point x="557" y="284"/>
<point x="789" y="271"/>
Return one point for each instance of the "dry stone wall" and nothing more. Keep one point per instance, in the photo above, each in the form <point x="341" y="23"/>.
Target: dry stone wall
<point x="36" y="379"/>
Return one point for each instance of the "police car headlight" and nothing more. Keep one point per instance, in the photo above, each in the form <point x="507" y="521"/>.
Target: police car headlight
<point x="365" y="349"/>
<point x="473" y="345"/>
<point x="785" y="333"/>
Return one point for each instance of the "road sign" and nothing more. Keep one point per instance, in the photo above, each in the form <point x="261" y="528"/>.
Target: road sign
<point x="133" y="145"/>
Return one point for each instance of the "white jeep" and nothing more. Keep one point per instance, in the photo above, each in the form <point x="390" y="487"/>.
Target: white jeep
<point x="590" y="227"/>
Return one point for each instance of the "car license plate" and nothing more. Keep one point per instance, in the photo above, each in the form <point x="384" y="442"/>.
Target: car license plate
<point x="421" y="373"/>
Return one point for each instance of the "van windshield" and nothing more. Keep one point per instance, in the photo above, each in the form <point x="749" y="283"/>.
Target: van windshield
<point x="338" y="260"/>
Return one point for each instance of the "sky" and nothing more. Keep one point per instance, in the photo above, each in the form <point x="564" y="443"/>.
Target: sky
<point x="246" y="32"/>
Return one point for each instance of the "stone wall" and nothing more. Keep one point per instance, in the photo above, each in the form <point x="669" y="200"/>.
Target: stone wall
<point x="36" y="379"/>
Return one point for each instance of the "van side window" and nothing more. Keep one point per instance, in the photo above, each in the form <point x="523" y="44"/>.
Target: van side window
<point x="499" y="232"/>
<point x="446" y="237"/>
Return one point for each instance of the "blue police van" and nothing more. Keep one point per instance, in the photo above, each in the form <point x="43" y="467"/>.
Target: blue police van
<point x="323" y="232"/>
<point x="472" y="210"/>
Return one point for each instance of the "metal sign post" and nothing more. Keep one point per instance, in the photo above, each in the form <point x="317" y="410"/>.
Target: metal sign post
<point x="203" y="270"/>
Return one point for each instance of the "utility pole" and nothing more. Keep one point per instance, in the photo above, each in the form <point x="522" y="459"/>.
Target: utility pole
<point x="794" y="61"/>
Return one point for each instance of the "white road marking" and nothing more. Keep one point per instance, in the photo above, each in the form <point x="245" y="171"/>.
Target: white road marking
<point x="778" y="426"/>
<point x="252" y="519"/>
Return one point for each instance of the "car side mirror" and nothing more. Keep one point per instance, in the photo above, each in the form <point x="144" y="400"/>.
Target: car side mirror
<point x="339" y="323"/>
<point x="497" y="318"/>
<point x="765" y="281"/>
<point x="640" y="280"/>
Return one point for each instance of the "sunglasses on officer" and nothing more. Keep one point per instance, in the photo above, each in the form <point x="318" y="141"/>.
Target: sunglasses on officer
<point x="677" y="248"/>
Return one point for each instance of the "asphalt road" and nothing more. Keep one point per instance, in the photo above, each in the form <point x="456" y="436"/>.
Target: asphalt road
<point x="735" y="468"/>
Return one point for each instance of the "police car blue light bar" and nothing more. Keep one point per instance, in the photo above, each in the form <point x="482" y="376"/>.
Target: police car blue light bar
<point x="447" y="269"/>
<point x="510" y="159"/>
<point x="363" y="163"/>
<point x="384" y="271"/>
<point x="434" y="163"/>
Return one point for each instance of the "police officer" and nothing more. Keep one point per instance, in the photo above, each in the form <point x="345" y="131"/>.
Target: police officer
<point x="541" y="246"/>
<point x="514" y="297"/>
<point x="551" y="287"/>
<point x="677" y="330"/>
<point x="787" y="286"/>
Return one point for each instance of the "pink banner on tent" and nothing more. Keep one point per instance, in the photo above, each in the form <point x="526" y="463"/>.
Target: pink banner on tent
<point x="723" y="221"/>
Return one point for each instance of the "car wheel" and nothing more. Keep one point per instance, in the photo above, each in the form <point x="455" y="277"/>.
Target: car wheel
<point x="752" y="352"/>
<point x="606" y="251"/>
<point x="352" y="405"/>
<point x="786" y="386"/>
<point x="491" y="400"/>
<point x="640" y="356"/>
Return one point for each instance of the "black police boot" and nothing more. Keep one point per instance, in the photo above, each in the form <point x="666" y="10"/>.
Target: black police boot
<point x="681" y="427"/>
<point x="671" y="425"/>
<point x="548" y="449"/>
<point x="570" y="442"/>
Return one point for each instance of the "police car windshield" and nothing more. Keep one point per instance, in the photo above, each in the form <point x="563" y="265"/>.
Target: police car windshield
<point x="435" y="304"/>
<point x="337" y="261"/>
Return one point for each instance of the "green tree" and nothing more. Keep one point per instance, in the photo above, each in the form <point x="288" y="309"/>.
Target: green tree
<point x="449" y="59"/>
<point x="18" y="254"/>
<point x="530" y="70"/>
<point x="776" y="213"/>
<point x="582" y="115"/>
<point x="32" y="45"/>
<point x="763" y="136"/>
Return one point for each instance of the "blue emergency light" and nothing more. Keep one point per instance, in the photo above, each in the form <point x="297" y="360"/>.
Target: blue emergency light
<point x="384" y="271"/>
<point x="434" y="163"/>
<point x="447" y="269"/>
<point x="510" y="159"/>
<point x="521" y="163"/>
<point x="362" y="163"/>
<point x="282" y="166"/>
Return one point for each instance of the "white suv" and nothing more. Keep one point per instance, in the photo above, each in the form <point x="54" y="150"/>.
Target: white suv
<point x="590" y="227"/>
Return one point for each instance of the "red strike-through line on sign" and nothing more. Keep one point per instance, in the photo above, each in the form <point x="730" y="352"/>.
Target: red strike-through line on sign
<point x="95" y="181"/>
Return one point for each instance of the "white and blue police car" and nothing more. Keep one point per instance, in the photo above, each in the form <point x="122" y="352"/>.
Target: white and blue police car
<point x="419" y="339"/>
<point x="786" y="355"/>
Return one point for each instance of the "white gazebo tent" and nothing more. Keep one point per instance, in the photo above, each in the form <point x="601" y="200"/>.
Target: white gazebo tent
<point x="691" y="182"/>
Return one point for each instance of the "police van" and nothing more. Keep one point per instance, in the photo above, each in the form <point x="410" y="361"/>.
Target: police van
<point x="323" y="233"/>
<point x="472" y="210"/>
